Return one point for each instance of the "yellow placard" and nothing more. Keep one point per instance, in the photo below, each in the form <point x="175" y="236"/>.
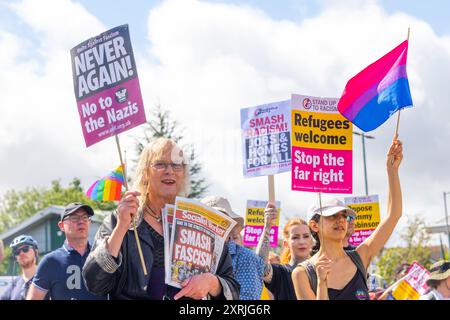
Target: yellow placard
<point x="405" y="292"/>
<point x="195" y="208"/>
<point x="321" y="130"/>
<point x="367" y="215"/>
<point x="265" y="294"/>
<point x="255" y="216"/>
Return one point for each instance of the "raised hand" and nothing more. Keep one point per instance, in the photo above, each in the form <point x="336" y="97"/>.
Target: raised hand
<point x="270" y="215"/>
<point x="127" y="208"/>
<point x="395" y="155"/>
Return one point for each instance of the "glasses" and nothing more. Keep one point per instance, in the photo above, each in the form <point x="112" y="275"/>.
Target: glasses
<point x="23" y="249"/>
<point x="161" y="166"/>
<point x="76" y="219"/>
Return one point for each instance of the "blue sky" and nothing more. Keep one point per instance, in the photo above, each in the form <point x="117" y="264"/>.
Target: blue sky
<point x="204" y="60"/>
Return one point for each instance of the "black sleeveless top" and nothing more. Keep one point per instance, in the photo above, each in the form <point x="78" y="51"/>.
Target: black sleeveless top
<point x="356" y="289"/>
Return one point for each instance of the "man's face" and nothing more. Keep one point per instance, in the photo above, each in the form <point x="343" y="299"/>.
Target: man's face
<point x="25" y="256"/>
<point x="76" y="226"/>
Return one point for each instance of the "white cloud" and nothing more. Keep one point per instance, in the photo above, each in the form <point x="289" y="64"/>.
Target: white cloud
<point x="41" y="138"/>
<point x="217" y="58"/>
<point x="205" y="62"/>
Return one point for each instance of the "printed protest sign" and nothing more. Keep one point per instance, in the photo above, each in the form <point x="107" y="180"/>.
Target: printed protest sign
<point x="254" y="223"/>
<point x="266" y="145"/>
<point x="414" y="285"/>
<point x="106" y="85"/>
<point x="321" y="146"/>
<point x="197" y="239"/>
<point x="367" y="218"/>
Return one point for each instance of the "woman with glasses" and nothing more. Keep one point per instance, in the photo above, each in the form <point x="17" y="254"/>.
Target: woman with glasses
<point x="333" y="273"/>
<point x="25" y="253"/>
<point x="114" y="265"/>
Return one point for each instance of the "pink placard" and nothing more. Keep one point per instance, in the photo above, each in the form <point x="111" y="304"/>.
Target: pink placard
<point x="359" y="236"/>
<point x="104" y="115"/>
<point x="106" y="85"/>
<point x="253" y="233"/>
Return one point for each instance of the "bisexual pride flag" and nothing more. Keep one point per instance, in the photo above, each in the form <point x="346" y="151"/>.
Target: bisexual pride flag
<point x="378" y="91"/>
<point x="109" y="188"/>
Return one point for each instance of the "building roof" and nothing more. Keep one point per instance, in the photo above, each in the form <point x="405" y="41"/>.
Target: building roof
<point x="43" y="215"/>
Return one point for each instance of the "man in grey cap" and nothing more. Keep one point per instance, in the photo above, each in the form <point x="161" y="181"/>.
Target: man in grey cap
<point x="59" y="274"/>
<point x="248" y="267"/>
<point x="439" y="281"/>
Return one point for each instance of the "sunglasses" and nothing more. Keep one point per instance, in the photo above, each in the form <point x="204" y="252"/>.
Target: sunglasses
<point x="23" y="249"/>
<point x="334" y="217"/>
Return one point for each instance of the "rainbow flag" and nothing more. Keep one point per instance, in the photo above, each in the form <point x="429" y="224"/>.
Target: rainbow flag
<point x="378" y="91"/>
<point x="109" y="188"/>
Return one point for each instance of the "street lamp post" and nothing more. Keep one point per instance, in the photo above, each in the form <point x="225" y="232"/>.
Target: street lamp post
<point x="446" y="217"/>
<point x="363" y="137"/>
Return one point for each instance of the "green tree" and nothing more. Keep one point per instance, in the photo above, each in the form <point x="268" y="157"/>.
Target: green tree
<point x="416" y="240"/>
<point x="161" y="125"/>
<point x="16" y="206"/>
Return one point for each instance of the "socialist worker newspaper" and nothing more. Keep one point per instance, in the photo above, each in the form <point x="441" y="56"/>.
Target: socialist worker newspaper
<point x="197" y="239"/>
<point x="167" y="219"/>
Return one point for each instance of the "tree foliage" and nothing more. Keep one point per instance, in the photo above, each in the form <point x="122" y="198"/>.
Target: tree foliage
<point x="16" y="206"/>
<point x="162" y="126"/>
<point x="416" y="240"/>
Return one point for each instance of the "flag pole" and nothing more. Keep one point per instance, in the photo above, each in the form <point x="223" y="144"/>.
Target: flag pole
<point x="125" y="182"/>
<point x="398" y="114"/>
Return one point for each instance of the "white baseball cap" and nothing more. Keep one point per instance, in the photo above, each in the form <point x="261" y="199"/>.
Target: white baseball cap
<point x="223" y="205"/>
<point x="330" y="207"/>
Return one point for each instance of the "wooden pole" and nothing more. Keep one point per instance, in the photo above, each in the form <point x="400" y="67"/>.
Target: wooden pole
<point x="125" y="182"/>
<point x="322" y="242"/>
<point x="271" y="181"/>
<point x="398" y="115"/>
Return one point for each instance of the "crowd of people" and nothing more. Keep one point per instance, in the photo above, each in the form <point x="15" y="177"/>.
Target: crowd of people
<point x="317" y="262"/>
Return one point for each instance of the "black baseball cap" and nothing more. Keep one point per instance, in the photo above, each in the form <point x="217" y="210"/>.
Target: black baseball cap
<point x="74" y="206"/>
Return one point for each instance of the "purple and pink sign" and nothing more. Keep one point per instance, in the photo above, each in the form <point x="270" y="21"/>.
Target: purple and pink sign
<point x="106" y="85"/>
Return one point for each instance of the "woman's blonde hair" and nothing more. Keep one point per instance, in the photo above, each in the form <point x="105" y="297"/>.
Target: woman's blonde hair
<point x="155" y="150"/>
<point x="285" y="256"/>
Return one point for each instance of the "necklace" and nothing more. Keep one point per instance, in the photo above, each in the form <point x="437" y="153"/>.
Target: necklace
<point x="152" y="214"/>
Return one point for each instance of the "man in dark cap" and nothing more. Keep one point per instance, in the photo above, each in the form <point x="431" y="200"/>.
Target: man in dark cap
<point x="439" y="281"/>
<point x="59" y="274"/>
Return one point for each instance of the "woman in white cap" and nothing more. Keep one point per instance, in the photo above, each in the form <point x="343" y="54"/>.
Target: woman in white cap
<point x="333" y="273"/>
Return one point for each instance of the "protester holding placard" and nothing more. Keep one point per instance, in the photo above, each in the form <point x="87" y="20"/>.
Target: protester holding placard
<point x="336" y="274"/>
<point x="114" y="267"/>
<point x="297" y="246"/>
